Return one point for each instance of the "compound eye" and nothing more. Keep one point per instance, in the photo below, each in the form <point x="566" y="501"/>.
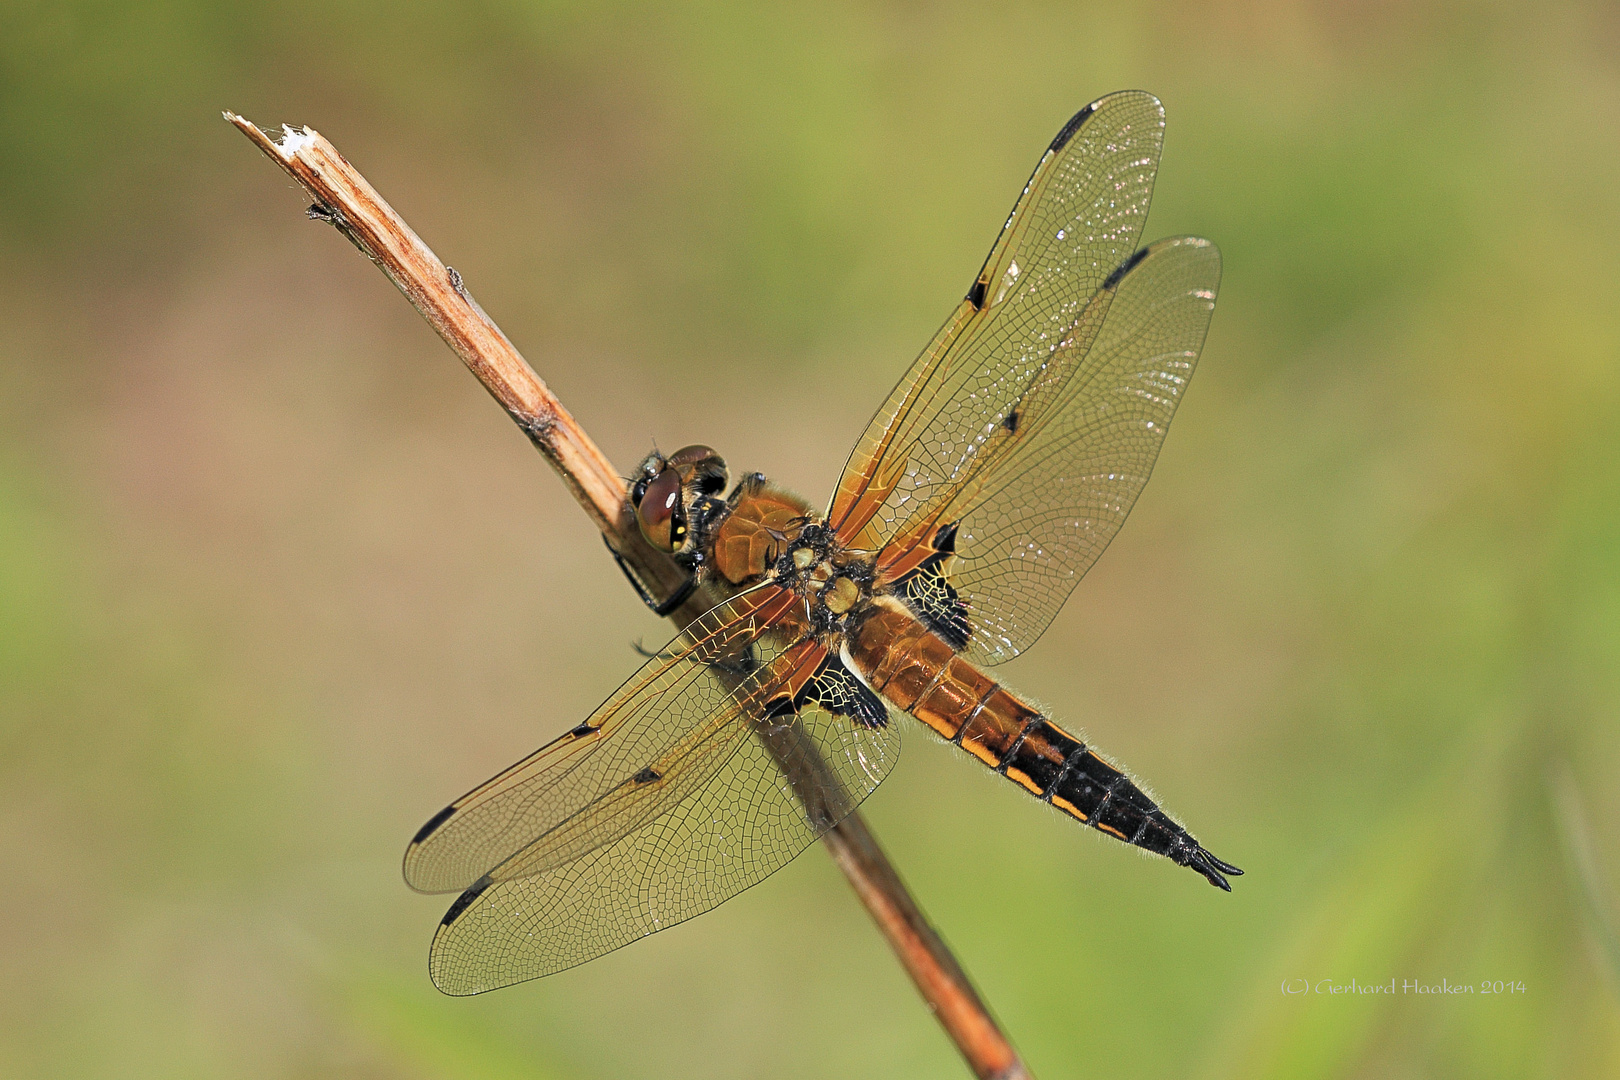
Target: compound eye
<point x="696" y="454"/>
<point x="660" y="514"/>
<point x="701" y="466"/>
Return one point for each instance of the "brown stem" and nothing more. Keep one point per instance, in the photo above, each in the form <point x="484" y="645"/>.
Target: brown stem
<point x="344" y="199"/>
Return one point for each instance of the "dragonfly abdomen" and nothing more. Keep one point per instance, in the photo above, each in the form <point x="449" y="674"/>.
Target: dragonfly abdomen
<point x="903" y="660"/>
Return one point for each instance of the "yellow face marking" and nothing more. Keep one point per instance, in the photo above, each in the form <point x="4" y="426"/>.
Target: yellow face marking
<point x="1068" y="807"/>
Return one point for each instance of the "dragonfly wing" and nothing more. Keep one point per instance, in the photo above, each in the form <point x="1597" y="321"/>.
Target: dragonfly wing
<point x="1053" y="493"/>
<point x="660" y="736"/>
<point x="1078" y="218"/>
<point x="1015" y="446"/>
<point x="750" y="819"/>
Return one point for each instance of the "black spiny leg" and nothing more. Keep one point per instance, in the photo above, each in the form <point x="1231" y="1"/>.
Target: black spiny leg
<point x="659" y="608"/>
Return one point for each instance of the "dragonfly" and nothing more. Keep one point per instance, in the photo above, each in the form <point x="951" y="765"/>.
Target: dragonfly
<point x="987" y="484"/>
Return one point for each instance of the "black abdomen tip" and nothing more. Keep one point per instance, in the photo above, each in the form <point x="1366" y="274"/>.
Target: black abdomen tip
<point x="1213" y="869"/>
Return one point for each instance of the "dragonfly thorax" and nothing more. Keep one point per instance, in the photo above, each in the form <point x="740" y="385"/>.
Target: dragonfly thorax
<point x="760" y="523"/>
<point x="836" y="585"/>
<point x="771" y="535"/>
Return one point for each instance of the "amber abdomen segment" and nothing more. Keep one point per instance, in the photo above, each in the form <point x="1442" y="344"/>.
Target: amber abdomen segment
<point x="907" y="663"/>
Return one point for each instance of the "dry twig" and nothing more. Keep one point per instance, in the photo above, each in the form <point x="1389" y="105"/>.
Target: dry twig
<point x="344" y="199"/>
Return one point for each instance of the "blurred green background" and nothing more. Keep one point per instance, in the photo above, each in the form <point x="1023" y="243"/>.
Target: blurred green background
<point x="277" y="579"/>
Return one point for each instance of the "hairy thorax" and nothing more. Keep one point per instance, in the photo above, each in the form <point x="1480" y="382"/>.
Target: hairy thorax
<point x="771" y="535"/>
<point x="762" y="524"/>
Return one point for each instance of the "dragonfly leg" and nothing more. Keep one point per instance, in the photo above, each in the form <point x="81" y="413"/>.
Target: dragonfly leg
<point x="660" y="608"/>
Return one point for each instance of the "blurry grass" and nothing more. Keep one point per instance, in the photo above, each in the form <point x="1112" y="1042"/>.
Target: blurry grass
<point x="276" y="579"/>
<point x="1372" y="924"/>
<point x="455" y="1044"/>
<point x="1581" y="863"/>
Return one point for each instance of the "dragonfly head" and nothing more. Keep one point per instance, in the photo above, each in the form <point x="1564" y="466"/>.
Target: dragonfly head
<point x="667" y="493"/>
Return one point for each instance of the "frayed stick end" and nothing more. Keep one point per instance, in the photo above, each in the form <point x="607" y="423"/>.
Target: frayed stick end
<point x="293" y="139"/>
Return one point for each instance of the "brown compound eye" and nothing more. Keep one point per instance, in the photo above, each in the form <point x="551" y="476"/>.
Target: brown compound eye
<point x="660" y="514"/>
<point x="701" y="466"/>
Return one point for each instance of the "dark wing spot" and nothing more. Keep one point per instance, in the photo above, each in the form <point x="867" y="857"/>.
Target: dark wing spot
<point x="465" y="900"/>
<point x="1071" y="127"/>
<point x="975" y="295"/>
<point x="646" y="776"/>
<point x="433" y="823"/>
<point x="1011" y="422"/>
<point x="928" y="592"/>
<point x="838" y="691"/>
<point x="585" y="729"/>
<point x="1124" y="268"/>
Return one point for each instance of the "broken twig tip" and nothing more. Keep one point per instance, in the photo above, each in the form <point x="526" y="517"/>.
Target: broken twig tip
<point x="251" y="130"/>
<point x="294" y="139"/>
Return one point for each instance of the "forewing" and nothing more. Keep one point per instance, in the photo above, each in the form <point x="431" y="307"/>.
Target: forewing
<point x="1079" y="217"/>
<point x="750" y="819"/>
<point x="1051" y="495"/>
<point x="659" y="737"/>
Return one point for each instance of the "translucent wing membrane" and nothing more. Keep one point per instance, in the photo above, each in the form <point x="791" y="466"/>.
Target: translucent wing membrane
<point x="1056" y="491"/>
<point x="744" y="824"/>
<point x="1078" y="219"/>
<point x="663" y="734"/>
<point x="1034" y="418"/>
